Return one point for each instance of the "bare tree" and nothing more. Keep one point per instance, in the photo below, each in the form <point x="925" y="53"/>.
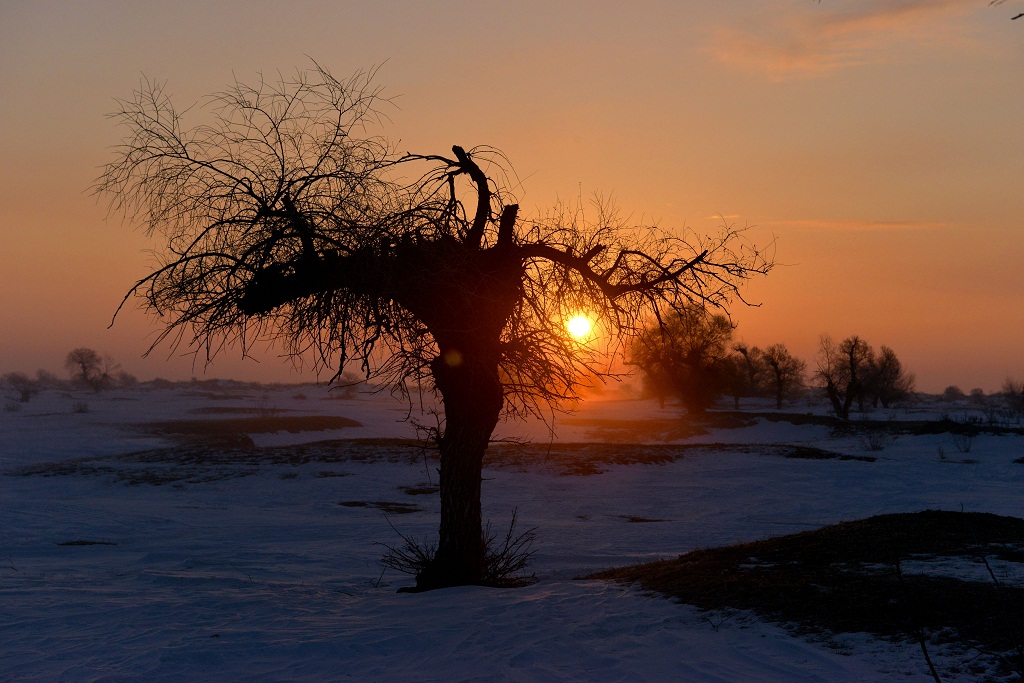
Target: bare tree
<point x="887" y="381"/>
<point x="785" y="372"/>
<point x="842" y="369"/>
<point x="1013" y="395"/>
<point x="89" y="368"/>
<point x="286" y="218"/>
<point x="745" y="372"/>
<point x="687" y="353"/>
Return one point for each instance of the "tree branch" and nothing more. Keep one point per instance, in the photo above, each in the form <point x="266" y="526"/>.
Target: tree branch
<point x="475" y="236"/>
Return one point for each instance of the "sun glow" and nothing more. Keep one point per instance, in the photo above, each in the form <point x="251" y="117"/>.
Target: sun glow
<point x="579" y="326"/>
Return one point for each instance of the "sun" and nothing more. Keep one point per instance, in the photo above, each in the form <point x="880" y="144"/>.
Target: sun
<point x="578" y="326"/>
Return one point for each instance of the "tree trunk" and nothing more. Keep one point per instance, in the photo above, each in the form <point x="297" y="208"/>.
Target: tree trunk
<point x="473" y="398"/>
<point x="840" y="405"/>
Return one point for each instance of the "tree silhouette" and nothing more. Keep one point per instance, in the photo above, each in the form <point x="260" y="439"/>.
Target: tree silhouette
<point x="687" y="353"/>
<point x="89" y="368"/>
<point x="285" y="217"/>
<point x="785" y="371"/>
<point x="843" y="370"/>
<point x="887" y="381"/>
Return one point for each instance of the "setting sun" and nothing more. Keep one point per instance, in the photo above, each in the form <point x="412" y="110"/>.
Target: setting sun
<point x="578" y="326"/>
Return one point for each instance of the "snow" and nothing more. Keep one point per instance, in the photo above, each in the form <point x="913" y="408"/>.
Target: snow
<point x="253" y="571"/>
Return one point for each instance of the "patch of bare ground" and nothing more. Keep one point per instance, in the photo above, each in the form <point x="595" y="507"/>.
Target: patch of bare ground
<point x="636" y="430"/>
<point x="198" y="463"/>
<point x="383" y="506"/>
<point x="237" y="410"/>
<point x="595" y="458"/>
<point x="421" y="490"/>
<point x="262" y="424"/>
<point x="848" y="578"/>
<point x="216" y="456"/>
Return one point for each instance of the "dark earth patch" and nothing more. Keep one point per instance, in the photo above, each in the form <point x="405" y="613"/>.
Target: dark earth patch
<point x="83" y="542"/>
<point x="640" y="520"/>
<point x="422" y="490"/>
<point x="383" y="506"/>
<point x="848" y="578"/>
<point x="263" y="424"/>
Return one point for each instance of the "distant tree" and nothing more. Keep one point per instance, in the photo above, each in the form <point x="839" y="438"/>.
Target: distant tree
<point x="89" y="368"/>
<point x="887" y="382"/>
<point x="1013" y="395"/>
<point x="977" y="395"/>
<point x="125" y="380"/>
<point x="686" y="353"/>
<point x="745" y="372"/>
<point x="47" y="379"/>
<point x="842" y="370"/>
<point x="22" y="384"/>
<point x="785" y="373"/>
<point x="286" y="218"/>
<point x="953" y="393"/>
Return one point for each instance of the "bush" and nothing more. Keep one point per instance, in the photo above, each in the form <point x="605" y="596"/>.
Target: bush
<point x="953" y="393"/>
<point x="22" y="384"/>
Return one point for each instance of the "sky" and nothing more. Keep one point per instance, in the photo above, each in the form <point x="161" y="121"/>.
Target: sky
<point x="878" y="144"/>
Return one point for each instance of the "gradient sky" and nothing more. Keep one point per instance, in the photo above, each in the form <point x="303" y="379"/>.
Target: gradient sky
<point x="879" y="142"/>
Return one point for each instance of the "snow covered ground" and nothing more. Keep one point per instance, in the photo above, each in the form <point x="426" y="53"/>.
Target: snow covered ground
<point x="252" y="570"/>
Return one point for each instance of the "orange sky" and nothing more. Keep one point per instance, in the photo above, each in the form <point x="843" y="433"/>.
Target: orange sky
<point x="881" y="143"/>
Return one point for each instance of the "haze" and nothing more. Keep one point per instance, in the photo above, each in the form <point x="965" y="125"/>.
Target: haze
<point x="878" y="143"/>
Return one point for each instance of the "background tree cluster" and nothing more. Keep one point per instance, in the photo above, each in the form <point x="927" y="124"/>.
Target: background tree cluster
<point x="87" y="368"/>
<point x="690" y="355"/>
<point x="96" y="371"/>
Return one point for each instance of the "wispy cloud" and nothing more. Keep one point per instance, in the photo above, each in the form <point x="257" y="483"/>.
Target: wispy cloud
<point x="831" y="225"/>
<point x="786" y="43"/>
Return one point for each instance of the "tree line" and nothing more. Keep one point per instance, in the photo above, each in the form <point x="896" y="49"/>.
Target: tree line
<point x="86" y="367"/>
<point x="691" y="356"/>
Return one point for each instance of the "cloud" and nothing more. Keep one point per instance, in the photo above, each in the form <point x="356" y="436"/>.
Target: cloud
<point x="832" y="225"/>
<point x="814" y="41"/>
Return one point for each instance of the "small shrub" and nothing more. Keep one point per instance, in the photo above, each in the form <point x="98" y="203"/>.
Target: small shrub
<point x="877" y="440"/>
<point x="80" y="407"/>
<point x="504" y="561"/>
<point x="11" y="407"/>
<point x="963" y="442"/>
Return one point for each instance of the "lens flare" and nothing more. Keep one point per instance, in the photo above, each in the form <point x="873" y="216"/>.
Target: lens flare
<point x="578" y="326"/>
